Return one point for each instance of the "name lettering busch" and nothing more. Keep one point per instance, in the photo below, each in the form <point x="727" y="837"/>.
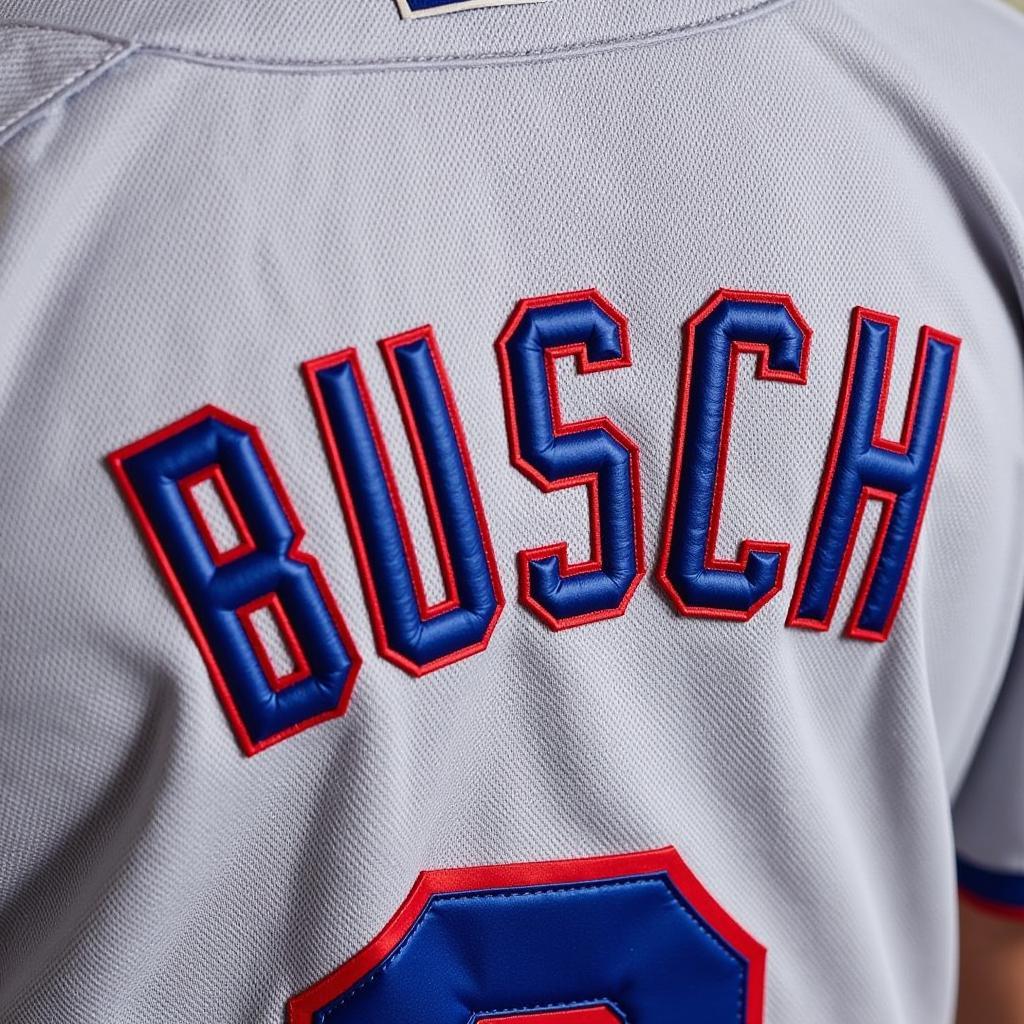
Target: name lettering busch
<point x="267" y="624"/>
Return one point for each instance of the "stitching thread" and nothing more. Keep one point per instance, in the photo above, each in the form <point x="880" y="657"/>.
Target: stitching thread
<point x="480" y="1016"/>
<point x="41" y="102"/>
<point x="340" y="65"/>
<point x="58" y="31"/>
<point x="71" y="86"/>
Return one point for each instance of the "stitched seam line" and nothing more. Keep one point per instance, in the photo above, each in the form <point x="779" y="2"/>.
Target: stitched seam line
<point x="58" y="31"/>
<point x="81" y="78"/>
<point x="480" y="1016"/>
<point x="514" y="893"/>
<point x="261" y="63"/>
<point x="59" y="88"/>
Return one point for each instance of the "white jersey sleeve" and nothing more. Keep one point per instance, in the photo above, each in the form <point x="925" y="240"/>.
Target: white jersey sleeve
<point x="989" y="805"/>
<point x="987" y="775"/>
<point x="989" y="810"/>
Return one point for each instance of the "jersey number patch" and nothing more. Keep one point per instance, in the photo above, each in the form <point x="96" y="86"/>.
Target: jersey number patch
<point x="631" y="939"/>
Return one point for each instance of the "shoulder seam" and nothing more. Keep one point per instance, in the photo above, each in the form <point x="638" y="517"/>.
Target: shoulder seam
<point x="70" y="86"/>
<point x="64" y="31"/>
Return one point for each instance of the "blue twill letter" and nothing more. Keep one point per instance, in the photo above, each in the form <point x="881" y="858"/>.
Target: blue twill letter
<point x="862" y="465"/>
<point x="631" y="938"/>
<point x="731" y="324"/>
<point x="553" y="454"/>
<point x="410" y="632"/>
<point x="220" y="590"/>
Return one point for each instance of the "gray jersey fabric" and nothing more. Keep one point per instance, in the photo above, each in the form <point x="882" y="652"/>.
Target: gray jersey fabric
<point x="195" y="199"/>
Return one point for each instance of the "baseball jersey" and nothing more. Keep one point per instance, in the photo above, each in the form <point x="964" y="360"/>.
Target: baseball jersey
<point x="509" y="514"/>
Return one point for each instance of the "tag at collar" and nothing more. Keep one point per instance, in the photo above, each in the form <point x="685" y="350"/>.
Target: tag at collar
<point x="425" y="8"/>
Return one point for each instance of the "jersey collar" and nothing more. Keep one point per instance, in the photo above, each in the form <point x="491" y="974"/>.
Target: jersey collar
<point x="369" y="33"/>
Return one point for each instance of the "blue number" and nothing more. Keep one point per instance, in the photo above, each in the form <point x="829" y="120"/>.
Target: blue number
<point x="634" y="936"/>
